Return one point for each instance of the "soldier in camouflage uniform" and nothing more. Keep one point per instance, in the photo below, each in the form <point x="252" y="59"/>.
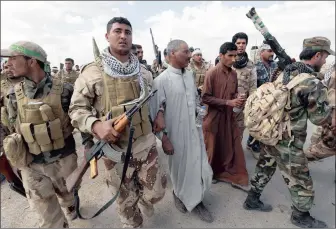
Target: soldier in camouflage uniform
<point x="68" y="74"/>
<point x="308" y="101"/>
<point x="106" y="86"/>
<point x="265" y="68"/>
<point x="246" y="75"/>
<point x="318" y="148"/>
<point x="38" y="107"/>
<point x="54" y="71"/>
<point x="199" y="67"/>
<point x="157" y="70"/>
<point x="8" y="80"/>
<point x="146" y="74"/>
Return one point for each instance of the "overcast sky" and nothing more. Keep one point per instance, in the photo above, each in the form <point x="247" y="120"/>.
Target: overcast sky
<point x="65" y="29"/>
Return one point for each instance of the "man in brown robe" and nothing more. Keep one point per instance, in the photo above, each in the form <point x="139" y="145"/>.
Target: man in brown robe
<point x="221" y="132"/>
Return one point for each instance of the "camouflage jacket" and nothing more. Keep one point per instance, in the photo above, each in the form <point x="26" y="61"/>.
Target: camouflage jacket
<point x="264" y="73"/>
<point x="69" y="77"/>
<point x="308" y="102"/>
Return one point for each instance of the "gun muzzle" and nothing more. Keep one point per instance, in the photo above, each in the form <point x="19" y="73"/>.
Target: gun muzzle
<point x="251" y="13"/>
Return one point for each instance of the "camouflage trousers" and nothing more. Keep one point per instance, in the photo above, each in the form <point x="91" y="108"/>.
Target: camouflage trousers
<point x="144" y="185"/>
<point x="46" y="190"/>
<point x="317" y="149"/>
<point x="240" y="122"/>
<point x="293" y="166"/>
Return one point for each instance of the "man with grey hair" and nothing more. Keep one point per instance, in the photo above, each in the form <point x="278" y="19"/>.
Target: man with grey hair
<point x="173" y="110"/>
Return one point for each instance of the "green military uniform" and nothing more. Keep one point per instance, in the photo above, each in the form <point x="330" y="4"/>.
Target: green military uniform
<point x="308" y="101"/>
<point x="43" y="135"/>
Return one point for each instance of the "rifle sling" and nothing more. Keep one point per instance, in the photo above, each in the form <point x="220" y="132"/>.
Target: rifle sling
<point x="110" y="202"/>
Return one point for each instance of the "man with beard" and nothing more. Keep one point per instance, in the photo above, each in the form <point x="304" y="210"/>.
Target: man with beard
<point x="221" y="132"/>
<point x="8" y="81"/>
<point x="107" y="85"/>
<point x="308" y="101"/>
<point x="147" y="75"/>
<point x="38" y="106"/>
<point x="140" y="53"/>
<point x="246" y="75"/>
<point x="265" y="68"/>
<point x="173" y="110"/>
<point x="198" y="67"/>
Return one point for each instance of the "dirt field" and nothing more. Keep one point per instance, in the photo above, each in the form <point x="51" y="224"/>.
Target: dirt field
<point x="223" y="201"/>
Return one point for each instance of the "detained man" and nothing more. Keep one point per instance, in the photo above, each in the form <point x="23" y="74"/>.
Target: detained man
<point x="221" y="132"/>
<point x="173" y="110"/>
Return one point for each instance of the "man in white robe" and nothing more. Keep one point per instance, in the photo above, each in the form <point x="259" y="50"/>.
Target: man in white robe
<point x="173" y="110"/>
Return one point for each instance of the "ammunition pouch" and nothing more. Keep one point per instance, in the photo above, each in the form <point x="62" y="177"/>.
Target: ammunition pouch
<point x="16" y="151"/>
<point x="54" y="155"/>
<point x="43" y="137"/>
<point x="122" y="90"/>
<point x="41" y="131"/>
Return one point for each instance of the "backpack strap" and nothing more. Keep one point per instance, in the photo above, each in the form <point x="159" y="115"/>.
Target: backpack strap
<point x="298" y="79"/>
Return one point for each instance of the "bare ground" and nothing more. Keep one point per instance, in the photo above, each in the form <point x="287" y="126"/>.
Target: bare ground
<point x="222" y="200"/>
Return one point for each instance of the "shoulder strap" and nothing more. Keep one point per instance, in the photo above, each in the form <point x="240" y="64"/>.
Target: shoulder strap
<point x="298" y="79"/>
<point x="126" y="163"/>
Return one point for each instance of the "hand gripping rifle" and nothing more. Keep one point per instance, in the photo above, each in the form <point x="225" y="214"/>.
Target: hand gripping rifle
<point x="284" y="59"/>
<point x="102" y="148"/>
<point x="157" y="53"/>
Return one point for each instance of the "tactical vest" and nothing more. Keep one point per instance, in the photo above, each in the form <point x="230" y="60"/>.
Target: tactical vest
<point x="199" y="74"/>
<point x="42" y="122"/>
<point x="121" y="90"/>
<point x="244" y="76"/>
<point x="68" y="78"/>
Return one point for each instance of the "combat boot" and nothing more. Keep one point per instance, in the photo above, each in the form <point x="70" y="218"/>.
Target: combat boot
<point x="305" y="220"/>
<point x="253" y="202"/>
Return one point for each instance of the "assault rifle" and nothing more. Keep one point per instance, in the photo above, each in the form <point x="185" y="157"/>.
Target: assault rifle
<point x="101" y="148"/>
<point x="284" y="59"/>
<point x="157" y="53"/>
<point x="14" y="181"/>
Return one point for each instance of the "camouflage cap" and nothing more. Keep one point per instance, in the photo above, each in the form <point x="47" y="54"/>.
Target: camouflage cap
<point x="318" y="43"/>
<point x="25" y="48"/>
